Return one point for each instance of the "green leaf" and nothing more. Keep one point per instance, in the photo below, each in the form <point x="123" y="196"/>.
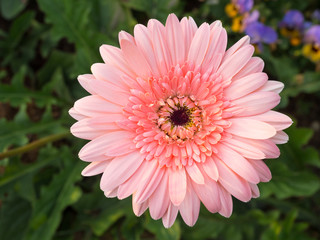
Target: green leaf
<point x="16" y="170"/>
<point x="14" y="216"/>
<point x="294" y="154"/>
<point x="132" y="227"/>
<point x="154" y="8"/>
<point x="17" y="94"/>
<point x="310" y="82"/>
<point x="56" y="60"/>
<point x="14" y="133"/>
<point x="109" y="213"/>
<point x="11" y="8"/>
<point x="287" y="228"/>
<point x="19" y="27"/>
<point x="207" y="226"/>
<point x="54" y="198"/>
<point x="156" y="227"/>
<point x="11" y="51"/>
<point x="109" y="17"/>
<point x="288" y="183"/>
<point x="71" y="22"/>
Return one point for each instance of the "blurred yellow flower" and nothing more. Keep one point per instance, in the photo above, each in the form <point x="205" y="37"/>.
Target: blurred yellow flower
<point x="312" y="51"/>
<point x="231" y="10"/>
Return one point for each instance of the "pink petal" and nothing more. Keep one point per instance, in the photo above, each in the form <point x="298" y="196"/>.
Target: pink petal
<point x="278" y="120"/>
<point x="195" y="174"/>
<point x="148" y="185"/>
<point x="113" y="56"/>
<point x="272" y="86"/>
<point x="110" y="74"/>
<point x="216" y="23"/>
<point x="119" y="170"/>
<point x="234" y="184"/>
<point x="190" y="206"/>
<point x="217" y="47"/>
<point x="210" y="168"/>
<point x="95" y="106"/>
<point x="85" y="81"/>
<point x="250" y="128"/>
<point x="110" y="92"/>
<point x="266" y="146"/>
<point x="236" y="47"/>
<point x="90" y="128"/>
<point x="144" y="42"/>
<point x="255" y="190"/>
<point x="280" y="138"/>
<point x="112" y="193"/>
<point x="160" y="46"/>
<point x="131" y="184"/>
<point x="123" y="35"/>
<point x="75" y="114"/>
<point x="177" y="185"/>
<point x="189" y="27"/>
<point x="135" y="59"/>
<point x="159" y="200"/>
<point x="262" y="169"/>
<point x="233" y="64"/>
<point x="138" y="208"/>
<point x="255" y="65"/>
<point x="199" y="45"/>
<point x="226" y="202"/>
<point x="237" y="163"/>
<point x="175" y="40"/>
<point x="101" y="145"/>
<point x="245" y="149"/>
<point x="170" y="216"/>
<point x="94" y="168"/>
<point x="256" y="103"/>
<point x="208" y="194"/>
<point x="245" y="85"/>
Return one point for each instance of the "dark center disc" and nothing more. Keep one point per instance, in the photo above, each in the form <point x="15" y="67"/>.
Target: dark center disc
<point x="180" y="117"/>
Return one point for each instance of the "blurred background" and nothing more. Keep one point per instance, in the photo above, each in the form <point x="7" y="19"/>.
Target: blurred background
<point x="46" y="44"/>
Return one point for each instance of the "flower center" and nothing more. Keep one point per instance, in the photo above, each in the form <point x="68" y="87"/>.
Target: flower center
<point x="180" y="117"/>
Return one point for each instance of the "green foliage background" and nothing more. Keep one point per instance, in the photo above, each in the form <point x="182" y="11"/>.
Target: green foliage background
<point x="46" y="44"/>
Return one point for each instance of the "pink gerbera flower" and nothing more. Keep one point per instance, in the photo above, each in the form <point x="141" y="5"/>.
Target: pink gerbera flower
<point x="174" y="120"/>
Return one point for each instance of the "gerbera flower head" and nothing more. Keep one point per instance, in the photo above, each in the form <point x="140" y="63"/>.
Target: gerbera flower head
<point x="175" y="119"/>
<point x="311" y="49"/>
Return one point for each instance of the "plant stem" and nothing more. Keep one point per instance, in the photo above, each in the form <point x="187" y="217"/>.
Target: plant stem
<point x="33" y="145"/>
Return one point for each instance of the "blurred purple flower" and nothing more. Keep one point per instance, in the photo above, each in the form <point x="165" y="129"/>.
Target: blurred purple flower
<point x="260" y="33"/>
<point x="313" y="35"/>
<point x="240" y="23"/>
<point x="316" y="15"/>
<point x="251" y="18"/>
<point x="293" y="19"/>
<point x="311" y="48"/>
<point x="243" y="5"/>
<point x="292" y="26"/>
<point x="238" y="7"/>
